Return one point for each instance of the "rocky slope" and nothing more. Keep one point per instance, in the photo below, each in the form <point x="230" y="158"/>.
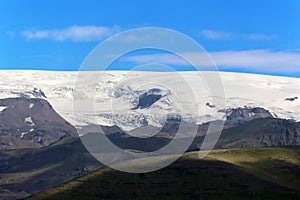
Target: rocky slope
<point x="30" y="122"/>
<point x="261" y="133"/>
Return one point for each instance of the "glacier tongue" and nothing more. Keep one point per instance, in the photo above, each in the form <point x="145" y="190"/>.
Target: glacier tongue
<point x="131" y="104"/>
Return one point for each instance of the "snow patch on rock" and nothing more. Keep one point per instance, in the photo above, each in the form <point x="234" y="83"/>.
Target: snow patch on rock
<point x="3" y="108"/>
<point x="29" y="121"/>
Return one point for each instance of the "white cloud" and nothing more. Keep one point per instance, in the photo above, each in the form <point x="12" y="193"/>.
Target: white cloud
<point x="259" y="36"/>
<point x="74" y="33"/>
<point x="219" y="35"/>
<point x="262" y="60"/>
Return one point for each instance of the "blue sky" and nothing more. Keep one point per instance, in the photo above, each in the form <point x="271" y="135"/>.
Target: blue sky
<point x="244" y="36"/>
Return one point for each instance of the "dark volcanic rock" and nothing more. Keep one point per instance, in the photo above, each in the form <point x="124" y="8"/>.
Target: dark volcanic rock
<point x="148" y="98"/>
<point x="291" y="99"/>
<point x="238" y="116"/>
<point x="30" y="123"/>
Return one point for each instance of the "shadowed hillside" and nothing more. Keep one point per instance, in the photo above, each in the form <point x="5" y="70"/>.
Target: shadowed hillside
<point x="263" y="173"/>
<point x="264" y="132"/>
<point x="27" y="171"/>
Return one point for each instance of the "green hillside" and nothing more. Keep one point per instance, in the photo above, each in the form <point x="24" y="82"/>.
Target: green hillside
<point x="254" y="173"/>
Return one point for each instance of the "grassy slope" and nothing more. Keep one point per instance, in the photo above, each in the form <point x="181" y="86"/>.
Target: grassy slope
<point x="268" y="173"/>
<point x="278" y="165"/>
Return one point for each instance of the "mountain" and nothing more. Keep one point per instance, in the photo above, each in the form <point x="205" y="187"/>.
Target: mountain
<point x="260" y="173"/>
<point x="40" y="147"/>
<point x="125" y="99"/>
<point x="30" y="122"/>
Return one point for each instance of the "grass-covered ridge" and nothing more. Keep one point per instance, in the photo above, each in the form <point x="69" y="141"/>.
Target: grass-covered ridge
<point x="253" y="173"/>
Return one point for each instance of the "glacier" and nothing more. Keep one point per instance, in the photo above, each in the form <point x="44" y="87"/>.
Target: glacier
<point x="124" y="99"/>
